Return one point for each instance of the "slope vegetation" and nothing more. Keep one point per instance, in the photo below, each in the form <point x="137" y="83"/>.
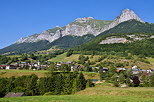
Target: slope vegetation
<point x="141" y="46"/>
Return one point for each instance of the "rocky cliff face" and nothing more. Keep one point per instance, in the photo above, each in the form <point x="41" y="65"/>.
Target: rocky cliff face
<point x="125" y="16"/>
<point x="80" y="27"/>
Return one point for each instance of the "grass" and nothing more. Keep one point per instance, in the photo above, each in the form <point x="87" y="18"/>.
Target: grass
<point x="39" y="73"/>
<point x="151" y="60"/>
<point x="16" y="73"/>
<point x="74" y="57"/>
<point x="96" y="94"/>
<point x="63" y="58"/>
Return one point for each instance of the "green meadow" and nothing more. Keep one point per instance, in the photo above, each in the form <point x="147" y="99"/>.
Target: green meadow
<point x="99" y="93"/>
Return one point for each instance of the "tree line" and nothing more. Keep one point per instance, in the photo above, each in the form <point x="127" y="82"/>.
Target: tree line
<point x="55" y="83"/>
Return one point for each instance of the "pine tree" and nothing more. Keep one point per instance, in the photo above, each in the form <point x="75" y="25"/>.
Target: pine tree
<point x="81" y="82"/>
<point x="74" y="86"/>
<point x="67" y="88"/>
<point x="128" y="82"/>
<point x="89" y="83"/>
<point x="151" y="80"/>
<point x="121" y="78"/>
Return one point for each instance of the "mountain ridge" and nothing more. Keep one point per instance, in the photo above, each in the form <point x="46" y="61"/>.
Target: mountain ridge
<point x="82" y="27"/>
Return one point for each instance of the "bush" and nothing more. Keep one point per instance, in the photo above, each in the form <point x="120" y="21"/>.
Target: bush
<point x="49" y="93"/>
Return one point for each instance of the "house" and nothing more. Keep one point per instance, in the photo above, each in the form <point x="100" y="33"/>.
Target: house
<point x="135" y="70"/>
<point x="120" y="69"/>
<point x="10" y="67"/>
<point x="2" y="66"/>
<point x="12" y="94"/>
<point x="104" y="69"/>
<point x="76" y="67"/>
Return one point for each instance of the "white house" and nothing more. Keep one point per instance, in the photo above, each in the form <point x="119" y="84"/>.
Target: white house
<point x="10" y="67"/>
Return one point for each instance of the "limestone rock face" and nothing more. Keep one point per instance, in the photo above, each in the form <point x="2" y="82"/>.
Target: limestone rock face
<point x="80" y="27"/>
<point x="125" y="16"/>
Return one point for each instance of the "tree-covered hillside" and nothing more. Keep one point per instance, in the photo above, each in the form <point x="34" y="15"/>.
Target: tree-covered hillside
<point x="132" y="27"/>
<point x="71" y="41"/>
<point x="63" y="43"/>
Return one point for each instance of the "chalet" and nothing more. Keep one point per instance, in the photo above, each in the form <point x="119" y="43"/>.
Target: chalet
<point x="104" y="69"/>
<point x="12" y="94"/>
<point x="135" y="70"/>
<point x="10" y="67"/>
<point x="120" y="69"/>
<point x="60" y="63"/>
<point x="76" y="67"/>
<point x="2" y="66"/>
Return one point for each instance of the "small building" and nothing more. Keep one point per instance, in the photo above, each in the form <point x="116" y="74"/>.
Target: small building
<point x="104" y="69"/>
<point x="13" y="94"/>
<point x="76" y="67"/>
<point x="10" y="67"/>
<point x="2" y="66"/>
<point x="120" y="69"/>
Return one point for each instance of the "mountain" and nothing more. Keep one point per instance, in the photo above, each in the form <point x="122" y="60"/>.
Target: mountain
<point x="79" y="27"/>
<point x="130" y="36"/>
<point x="76" y="33"/>
<point x="125" y="16"/>
<point x="64" y="42"/>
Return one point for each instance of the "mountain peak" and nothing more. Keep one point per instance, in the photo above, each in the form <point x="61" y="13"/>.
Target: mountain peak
<point x="126" y="15"/>
<point x="83" y="19"/>
<point x="126" y="10"/>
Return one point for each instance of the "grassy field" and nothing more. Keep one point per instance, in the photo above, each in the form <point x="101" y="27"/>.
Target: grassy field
<point x="74" y="57"/>
<point x="96" y="94"/>
<point x="40" y="73"/>
<point x="16" y="73"/>
<point x="63" y="58"/>
<point x="151" y="60"/>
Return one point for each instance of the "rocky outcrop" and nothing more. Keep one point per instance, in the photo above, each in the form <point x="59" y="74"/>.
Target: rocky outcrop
<point x="114" y="40"/>
<point x="125" y="16"/>
<point x="80" y="27"/>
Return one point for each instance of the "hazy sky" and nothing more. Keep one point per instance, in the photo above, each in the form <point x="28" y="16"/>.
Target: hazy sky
<point x="21" y="18"/>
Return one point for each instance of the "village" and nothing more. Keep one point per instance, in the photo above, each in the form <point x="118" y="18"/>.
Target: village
<point x="73" y="67"/>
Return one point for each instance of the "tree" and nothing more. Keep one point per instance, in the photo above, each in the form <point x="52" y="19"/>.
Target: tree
<point x="121" y="78"/>
<point x="65" y="68"/>
<point x="112" y="71"/>
<point x="146" y="81"/>
<point x="52" y="67"/>
<point x="89" y="83"/>
<point x="74" y="86"/>
<point x="136" y="81"/>
<point x="69" y="53"/>
<point x="3" y="86"/>
<point x="114" y="78"/>
<point x="25" y="67"/>
<point x="128" y="82"/>
<point x="67" y="88"/>
<point x="81" y="82"/>
<point x="151" y="84"/>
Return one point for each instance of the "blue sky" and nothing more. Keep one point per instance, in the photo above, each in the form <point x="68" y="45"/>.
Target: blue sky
<point x="21" y="18"/>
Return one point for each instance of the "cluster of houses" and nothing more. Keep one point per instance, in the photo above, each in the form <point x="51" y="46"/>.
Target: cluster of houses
<point x="73" y="67"/>
<point x="34" y="66"/>
<point x="135" y="70"/>
<point x="37" y="66"/>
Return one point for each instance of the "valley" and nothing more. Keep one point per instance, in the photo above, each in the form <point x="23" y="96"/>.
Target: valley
<point x="86" y="60"/>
